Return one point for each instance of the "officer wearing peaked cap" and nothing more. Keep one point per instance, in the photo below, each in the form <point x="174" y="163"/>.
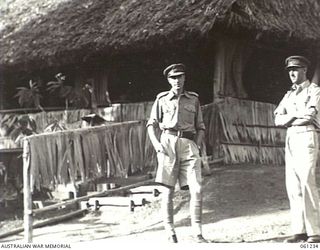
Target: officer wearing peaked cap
<point x="177" y="113"/>
<point x="297" y="62"/>
<point x="299" y="112"/>
<point x="174" y="70"/>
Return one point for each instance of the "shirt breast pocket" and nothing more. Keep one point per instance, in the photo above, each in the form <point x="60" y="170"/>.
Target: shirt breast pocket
<point x="169" y="110"/>
<point x="189" y="113"/>
<point x="168" y="113"/>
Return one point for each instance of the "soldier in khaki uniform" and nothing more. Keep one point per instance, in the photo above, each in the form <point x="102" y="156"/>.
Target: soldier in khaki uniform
<point x="299" y="111"/>
<point x="177" y="113"/>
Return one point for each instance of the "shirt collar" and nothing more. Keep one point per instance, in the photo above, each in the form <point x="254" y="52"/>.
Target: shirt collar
<point x="303" y="85"/>
<point x="171" y="95"/>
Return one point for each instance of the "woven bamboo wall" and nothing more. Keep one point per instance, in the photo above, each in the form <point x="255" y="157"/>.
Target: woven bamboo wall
<point x="249" y="134"/>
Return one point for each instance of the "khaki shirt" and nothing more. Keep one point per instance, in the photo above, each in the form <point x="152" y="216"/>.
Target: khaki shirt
<point x="179" y="113"/>
<point x="303" y="103"/>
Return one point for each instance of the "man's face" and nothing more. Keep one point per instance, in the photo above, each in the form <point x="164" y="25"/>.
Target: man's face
<point x="177" y="82"/>
<point x="23" y="125"/>
<point x="297" y="75"/>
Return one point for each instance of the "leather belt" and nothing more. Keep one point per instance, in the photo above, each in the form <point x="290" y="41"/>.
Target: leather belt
<point x="182" y="134"/>
<point x="303" y="125"/>
<point x="300" y="129"/>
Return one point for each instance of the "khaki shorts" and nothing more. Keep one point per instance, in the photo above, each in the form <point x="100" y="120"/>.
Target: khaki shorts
<point x="183" y="162"/>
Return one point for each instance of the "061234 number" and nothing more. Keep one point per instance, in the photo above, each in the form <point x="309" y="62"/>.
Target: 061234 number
<point x="309" y="245"/>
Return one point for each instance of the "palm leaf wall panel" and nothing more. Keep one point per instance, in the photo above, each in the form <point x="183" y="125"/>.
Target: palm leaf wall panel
<point x="243" y="130"/>
<point x="235" y="154"/>
<point x="81" y="154"/>
<point x="249" y="134"/>
<point x="71" y="119"/>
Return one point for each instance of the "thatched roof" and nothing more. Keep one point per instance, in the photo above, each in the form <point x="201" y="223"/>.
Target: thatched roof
<point x="299" y="19"/>
<point x="51" y="32"/>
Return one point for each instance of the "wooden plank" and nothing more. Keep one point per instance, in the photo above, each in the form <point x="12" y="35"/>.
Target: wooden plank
<point x="252" y="144"/>
<point x="98" y="194"/>
<point x="11" y="150"/>
<point x="258" y="126"/>
<point x="122" y="181"/>
<point x="216" y="160"/>
<point x="27" y="198"/>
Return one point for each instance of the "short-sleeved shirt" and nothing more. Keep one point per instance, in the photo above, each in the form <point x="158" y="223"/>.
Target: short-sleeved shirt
<point x="177" y="112"/>
<point x="306" y="102"/>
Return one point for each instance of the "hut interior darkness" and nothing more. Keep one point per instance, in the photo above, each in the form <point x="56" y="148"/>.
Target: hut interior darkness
<point x="127" y="78"/>
<point x="216" y="68"/>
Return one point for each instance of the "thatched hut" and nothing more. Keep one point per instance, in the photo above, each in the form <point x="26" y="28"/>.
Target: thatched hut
<point x="232" y="48"/>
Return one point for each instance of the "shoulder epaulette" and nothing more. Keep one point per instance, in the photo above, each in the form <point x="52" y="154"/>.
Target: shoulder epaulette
<point x="315" y="88"/>
<point x="314" y="85"/>
<point x="193" y="93"/>
<point x="162" y="94"/>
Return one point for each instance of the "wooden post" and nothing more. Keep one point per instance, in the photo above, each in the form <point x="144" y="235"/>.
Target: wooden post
<point x="27" y="198"/>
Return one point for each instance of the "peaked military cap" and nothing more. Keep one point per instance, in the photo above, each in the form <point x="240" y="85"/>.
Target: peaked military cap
<point x="174" y="70"/>
<point x="297" y="61"/>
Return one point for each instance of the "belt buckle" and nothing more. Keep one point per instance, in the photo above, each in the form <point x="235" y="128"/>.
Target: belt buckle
<point x="179" y="133"/>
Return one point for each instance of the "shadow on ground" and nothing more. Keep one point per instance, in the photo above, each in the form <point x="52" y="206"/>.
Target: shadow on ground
<point x="241" y="204"/>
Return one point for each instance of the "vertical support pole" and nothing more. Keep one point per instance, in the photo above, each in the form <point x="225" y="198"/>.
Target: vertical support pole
<point x="218" y="74"/>
<point x="27" y="198"/>
<point x="2" y="87"/>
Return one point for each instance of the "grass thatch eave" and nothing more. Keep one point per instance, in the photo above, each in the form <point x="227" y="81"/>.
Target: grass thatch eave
<point x="295" y="19"/>
<point x="101" y="25"/>
<point x="51" y="32"/>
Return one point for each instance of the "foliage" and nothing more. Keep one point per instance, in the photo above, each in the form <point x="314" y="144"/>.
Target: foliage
<point x="56" y="125"/>
<point x="72" y="95"/>
<point x="59" y="85"/>
<point x="10" y="124"/>
<point x="29" y="97"/>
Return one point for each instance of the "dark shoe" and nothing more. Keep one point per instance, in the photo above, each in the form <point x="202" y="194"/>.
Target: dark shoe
<point x="314" y="239"/>
<point x="296" y="238"/>
<point x="199" y="239"/>
<point x="173" y="239"/>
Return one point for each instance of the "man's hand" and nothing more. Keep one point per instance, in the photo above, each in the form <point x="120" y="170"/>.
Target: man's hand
<point x="155" y="142"/>
<point x="159" y="149"/>
<point x="300" y="122"/>
<point x="200" y="138"/>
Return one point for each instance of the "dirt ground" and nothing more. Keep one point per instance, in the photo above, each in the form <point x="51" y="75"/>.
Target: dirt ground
<point x="241" y="204"/>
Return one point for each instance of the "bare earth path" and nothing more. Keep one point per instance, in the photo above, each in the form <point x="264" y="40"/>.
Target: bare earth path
<point x="241" y="204"/>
